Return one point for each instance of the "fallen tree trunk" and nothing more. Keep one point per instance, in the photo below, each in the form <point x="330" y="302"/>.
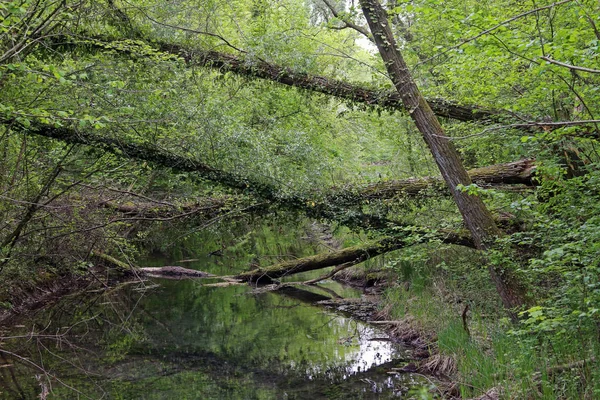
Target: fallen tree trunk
<point x="514" y="173"/>
<point x="334" y="207"/>
<point x="256" y="68"/>
<point x="350" y="255"/>
<point x="476" y="215"/>
<point x="112" y="261"/>
<point x="517" y="172"/>
<point x="284" y="75"/>
<point x="245" y="184"/>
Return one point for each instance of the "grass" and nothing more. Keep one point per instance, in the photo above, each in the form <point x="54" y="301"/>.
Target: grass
<point x="495" y="354"/>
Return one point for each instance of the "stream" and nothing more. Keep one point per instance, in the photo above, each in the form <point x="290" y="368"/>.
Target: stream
<point x="179" y="339"/>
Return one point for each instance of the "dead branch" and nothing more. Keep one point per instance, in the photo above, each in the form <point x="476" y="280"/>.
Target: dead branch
<point x="329" y="275"/>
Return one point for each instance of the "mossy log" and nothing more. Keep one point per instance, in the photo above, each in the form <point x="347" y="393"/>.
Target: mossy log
<point x="112" y="261"/>
<point x="174" y="272"/>
<point x="513" y="173"/>
<point x="350" y="255"/>
<point x="335" y="207"/>
<point x="260" y="69"/>
<point x="389" y="100"/>
<point x="244" y="184"/>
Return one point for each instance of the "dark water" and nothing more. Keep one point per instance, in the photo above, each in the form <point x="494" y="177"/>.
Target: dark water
<point x="165" y="339"/>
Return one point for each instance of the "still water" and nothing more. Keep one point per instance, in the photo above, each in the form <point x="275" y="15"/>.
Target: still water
<point x="167" y="339"/>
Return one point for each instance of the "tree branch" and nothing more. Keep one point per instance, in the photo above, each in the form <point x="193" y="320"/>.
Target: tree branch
<point x="351" y="255"/>
<point x="546" y="126"/>
<point x="573" y="67"/>
<point x="363" y="31"/>
<point x="246" y="184"/>
<point x="493" y="28"/>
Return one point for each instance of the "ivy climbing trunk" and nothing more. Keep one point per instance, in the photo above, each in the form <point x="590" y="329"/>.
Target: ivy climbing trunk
<point x="475" y="214"/>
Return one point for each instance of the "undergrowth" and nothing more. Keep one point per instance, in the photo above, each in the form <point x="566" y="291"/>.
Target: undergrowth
<point x="492" y="355"/>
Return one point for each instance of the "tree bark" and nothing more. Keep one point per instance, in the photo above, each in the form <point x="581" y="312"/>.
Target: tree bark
<point x="475" y="214"/>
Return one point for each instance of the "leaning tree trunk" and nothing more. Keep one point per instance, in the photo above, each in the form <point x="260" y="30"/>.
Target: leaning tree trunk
<point x="475" y="214"/>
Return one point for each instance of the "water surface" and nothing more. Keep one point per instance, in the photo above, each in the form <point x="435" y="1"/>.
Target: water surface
<point x="167" y="339"/>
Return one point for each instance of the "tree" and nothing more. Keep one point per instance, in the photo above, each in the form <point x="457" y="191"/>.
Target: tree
<point x="120" y="118"/>
<point x="143" y="79"/>
<point x="477" y="217"/>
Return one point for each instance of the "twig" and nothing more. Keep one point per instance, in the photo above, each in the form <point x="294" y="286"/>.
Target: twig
<point x="347" y="23"/>
<point x="532" y="124"/>
<point x="181" y="28"/>
<point x="574" y="67"/>
<point x="41" y="369"/>
<point x="129" y="193"/>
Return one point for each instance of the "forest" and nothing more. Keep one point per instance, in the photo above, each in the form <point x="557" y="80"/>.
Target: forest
<point x="447" y="150"/>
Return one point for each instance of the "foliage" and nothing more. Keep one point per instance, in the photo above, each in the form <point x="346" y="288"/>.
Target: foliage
<point x="95" y="66"/>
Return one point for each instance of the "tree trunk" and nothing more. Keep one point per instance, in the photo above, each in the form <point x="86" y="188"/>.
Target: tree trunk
<point x="245" y="184"/>
<point x="475" y="214"/>
<point x="513" y="173"/>
<point x="260" y="69"/>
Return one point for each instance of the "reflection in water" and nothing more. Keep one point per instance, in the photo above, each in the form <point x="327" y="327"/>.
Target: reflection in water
<point x="180" y="340"/>
<point x="351" y="354"/>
